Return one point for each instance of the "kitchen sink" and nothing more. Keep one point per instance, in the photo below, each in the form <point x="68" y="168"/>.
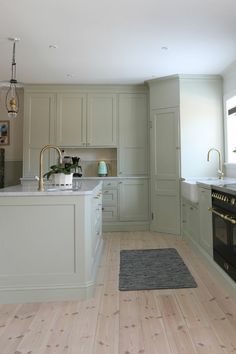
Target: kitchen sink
<point x="189" y="188"/>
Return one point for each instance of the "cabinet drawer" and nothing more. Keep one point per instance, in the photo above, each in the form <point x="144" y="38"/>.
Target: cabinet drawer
<point x="109" y="213"/>
<point x="109" y="197"/>
<point x="109" y="184"/>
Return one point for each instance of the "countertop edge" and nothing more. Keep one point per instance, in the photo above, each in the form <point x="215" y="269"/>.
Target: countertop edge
<point x="27" y="191"/>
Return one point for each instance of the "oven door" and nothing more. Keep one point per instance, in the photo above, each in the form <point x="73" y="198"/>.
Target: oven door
<point x="224" y="235"/>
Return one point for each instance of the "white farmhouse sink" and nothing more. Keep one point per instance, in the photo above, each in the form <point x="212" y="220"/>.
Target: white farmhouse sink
<point x="189" y="190"/>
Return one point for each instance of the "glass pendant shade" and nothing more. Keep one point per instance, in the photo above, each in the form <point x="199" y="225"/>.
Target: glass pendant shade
<point x="12" y="100"/>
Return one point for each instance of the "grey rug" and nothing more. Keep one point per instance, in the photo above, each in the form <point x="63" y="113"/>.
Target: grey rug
<point x="151" y="269"/>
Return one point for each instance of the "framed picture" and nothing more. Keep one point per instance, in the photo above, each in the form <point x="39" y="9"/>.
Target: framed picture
<point x="4" y="132"/>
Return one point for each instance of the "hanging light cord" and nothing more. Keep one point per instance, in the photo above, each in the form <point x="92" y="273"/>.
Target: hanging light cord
<point x="13" y="66"/>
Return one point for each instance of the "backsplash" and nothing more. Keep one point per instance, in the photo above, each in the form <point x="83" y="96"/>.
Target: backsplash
<point x="90" y="157"/>
<point x="230" y="170"/>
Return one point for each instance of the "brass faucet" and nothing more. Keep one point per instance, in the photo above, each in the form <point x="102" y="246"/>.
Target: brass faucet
<point x="220" y="170"/>
<point x="41" y="186"/>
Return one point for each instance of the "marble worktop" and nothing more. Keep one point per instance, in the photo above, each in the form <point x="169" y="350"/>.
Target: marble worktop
<point x="211" y="182"/>
<point x="81" y="187"/>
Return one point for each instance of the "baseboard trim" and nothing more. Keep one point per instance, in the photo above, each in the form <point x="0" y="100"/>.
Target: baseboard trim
<point x="29" y="295"/>
<point x="126" y="226"/>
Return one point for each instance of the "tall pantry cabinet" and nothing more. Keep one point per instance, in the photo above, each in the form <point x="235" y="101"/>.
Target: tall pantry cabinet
<point x="186" y="121"/>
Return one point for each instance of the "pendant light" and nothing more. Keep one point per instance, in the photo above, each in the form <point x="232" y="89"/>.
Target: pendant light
<point x="12" y="100"/>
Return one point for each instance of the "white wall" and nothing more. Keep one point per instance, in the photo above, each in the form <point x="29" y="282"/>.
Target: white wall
<point x="229" y="89"/>
<point x="201" y="108"/>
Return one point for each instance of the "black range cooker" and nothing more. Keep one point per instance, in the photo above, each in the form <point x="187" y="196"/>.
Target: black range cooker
<point x="224" y="227"/>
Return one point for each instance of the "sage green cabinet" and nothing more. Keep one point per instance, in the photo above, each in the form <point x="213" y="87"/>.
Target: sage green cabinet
<point x="125" y="204"/>
<point x="102" y="120"/>
<point x="96" y="234"/>
<point x="133" y="200"/>
<point x="93" y="116"/>
<point x="133" y="130"/>
<point x="206" y="233"/>
<point x="190" y="221"/>
<point x="180" y="106"/>
<point x="39" y="130"/>
<point x="110" y="201"/>
<point x="165" y="166"/>
<point x="71" y="120"/>
<point x="86" y="120"/>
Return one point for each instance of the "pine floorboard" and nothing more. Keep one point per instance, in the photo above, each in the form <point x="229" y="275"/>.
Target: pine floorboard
<point x="172" y="321"/>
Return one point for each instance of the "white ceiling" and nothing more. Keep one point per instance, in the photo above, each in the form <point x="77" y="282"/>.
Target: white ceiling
<point x="107" y="41"/>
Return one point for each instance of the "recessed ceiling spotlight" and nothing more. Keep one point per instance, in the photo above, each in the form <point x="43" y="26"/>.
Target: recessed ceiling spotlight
<point x="53" y="46"/>
<point x="164" y="48"/>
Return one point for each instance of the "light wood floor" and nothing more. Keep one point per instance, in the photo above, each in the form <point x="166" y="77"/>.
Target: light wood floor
<point x="201" y="320"/>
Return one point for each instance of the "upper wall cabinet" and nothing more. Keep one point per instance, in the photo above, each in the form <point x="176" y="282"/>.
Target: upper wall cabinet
<point x="101" y="120"/>
<point x="39" y="121"/>
<point x="71" y="119"/>
<point x="86" y="116"/>
<point x="133" y="144"/>
<point x="86" y="120"/>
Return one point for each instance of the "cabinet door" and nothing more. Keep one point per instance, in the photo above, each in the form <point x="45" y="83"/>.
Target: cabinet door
<point x="96" y="221"/>
<point x="190" y="221"/>
<point x="133" y="198"/>
<point x="206" y="238"/>
<point x="184" y="224"/>
<point x="101" y="120"/>
<point x="133" y="154"/>
<point x="71" y="120"/>
<point x="39" y="122"/>
<point x="165" y="171"/>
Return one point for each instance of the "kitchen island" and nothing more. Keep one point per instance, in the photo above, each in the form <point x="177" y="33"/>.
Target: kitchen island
<point x="51" y="242"/>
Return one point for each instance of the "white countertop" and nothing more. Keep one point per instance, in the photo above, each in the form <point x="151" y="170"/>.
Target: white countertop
<point x="211" y="181"/>
<point x="84" y="178"/>
<point x="111" y="177"/>
<point x="79" y="188"/>
<point x="189" y="187"/>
